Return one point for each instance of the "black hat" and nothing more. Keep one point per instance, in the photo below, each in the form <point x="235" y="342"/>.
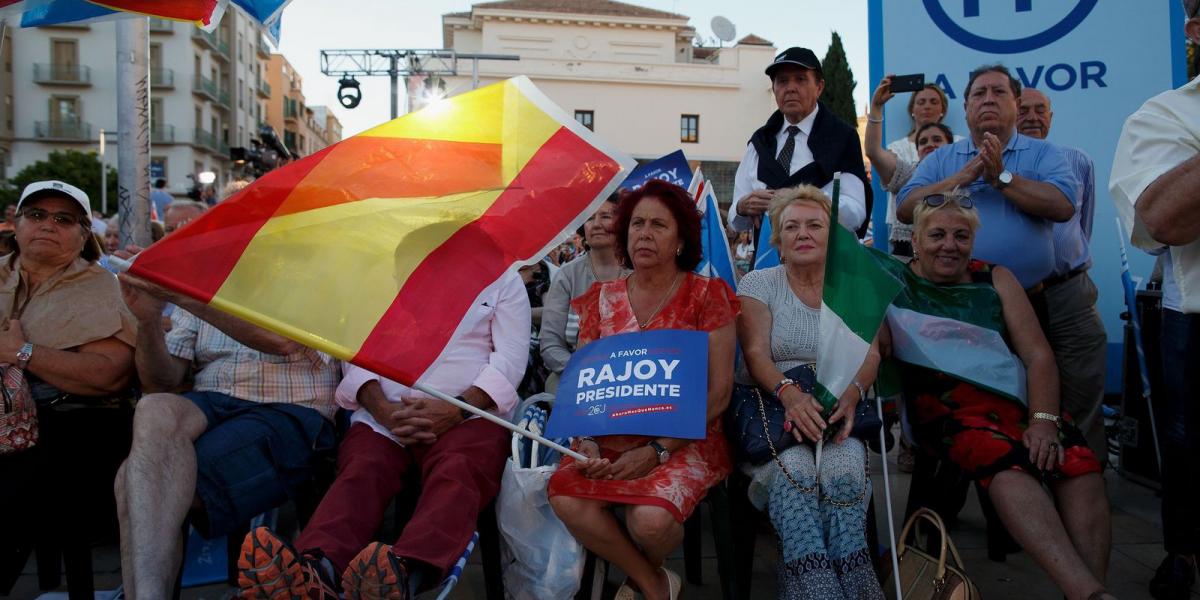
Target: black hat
<point x="801" y="57"/>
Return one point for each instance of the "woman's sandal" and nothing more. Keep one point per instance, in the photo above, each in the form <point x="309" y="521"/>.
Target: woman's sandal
<point x="625" y="592"/>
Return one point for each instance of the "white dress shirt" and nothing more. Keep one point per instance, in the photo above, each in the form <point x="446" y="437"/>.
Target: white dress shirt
<point x="489" y="350"/>
<point x="1163" y="133"/>
<point x="852" y="205"/>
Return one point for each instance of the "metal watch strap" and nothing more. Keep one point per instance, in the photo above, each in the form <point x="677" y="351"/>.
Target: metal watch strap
<point x="1045" y="416"/>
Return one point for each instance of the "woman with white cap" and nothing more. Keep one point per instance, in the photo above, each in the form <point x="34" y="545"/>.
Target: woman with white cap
<point x="63" y="321"/>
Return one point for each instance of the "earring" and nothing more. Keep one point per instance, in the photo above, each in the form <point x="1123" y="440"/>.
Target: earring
<point x="679" y="251"/>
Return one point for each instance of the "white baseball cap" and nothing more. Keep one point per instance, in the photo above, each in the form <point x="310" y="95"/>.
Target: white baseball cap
<point x="42" y="189"/>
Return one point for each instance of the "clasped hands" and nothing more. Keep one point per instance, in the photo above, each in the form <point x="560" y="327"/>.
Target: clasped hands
<point x="632" y="464"/>
<point x="988" y="164"/>
<point x="418" y="420"/>
<point x="804" y="419"/>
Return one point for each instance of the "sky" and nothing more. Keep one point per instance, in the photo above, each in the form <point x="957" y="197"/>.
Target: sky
<point x="310" y="26"/>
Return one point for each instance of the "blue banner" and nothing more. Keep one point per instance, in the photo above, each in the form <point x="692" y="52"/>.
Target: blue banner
<point x="672" y="168"/>
<point x="645" y="383"/>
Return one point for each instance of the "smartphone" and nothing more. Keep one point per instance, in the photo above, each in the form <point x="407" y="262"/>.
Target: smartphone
<point x="908" y="83"/>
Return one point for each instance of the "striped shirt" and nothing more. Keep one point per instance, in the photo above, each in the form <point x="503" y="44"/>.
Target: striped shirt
<point x="1071" y="237"/>
<point x="222" y="364"/>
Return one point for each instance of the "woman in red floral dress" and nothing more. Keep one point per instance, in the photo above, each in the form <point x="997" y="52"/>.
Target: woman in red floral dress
<point x="659" y="480"/>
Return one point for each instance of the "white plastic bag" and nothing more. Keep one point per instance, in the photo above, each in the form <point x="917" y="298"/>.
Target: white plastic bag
<point x="542" y="560"/>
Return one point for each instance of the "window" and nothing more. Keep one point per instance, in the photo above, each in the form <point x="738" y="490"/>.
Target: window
<point x="64" y="111"/>
<point x="689" y="128"/>
<point x="586" y="118"/>
<point x="64" y="60"/>
<point x="241" y="89"/>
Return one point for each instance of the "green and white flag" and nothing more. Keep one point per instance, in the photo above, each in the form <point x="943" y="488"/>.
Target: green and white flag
<point x="858" y="290"/>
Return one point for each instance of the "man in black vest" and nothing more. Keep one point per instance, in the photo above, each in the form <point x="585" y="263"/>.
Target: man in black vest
<point x="802" y="142"/>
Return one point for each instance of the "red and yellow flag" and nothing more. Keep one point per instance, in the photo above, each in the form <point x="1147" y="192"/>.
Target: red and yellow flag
<point x="373" y="249"/>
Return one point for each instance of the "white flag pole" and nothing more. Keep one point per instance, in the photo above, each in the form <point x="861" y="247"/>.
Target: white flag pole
<point x="887" y="497"/>
<point x="123" y="265"/>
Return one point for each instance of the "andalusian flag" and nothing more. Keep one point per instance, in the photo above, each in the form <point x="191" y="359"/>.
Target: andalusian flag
<point x="957" y="330"/>
<point x="854" y="302"/>
<point x="373" y="249"/>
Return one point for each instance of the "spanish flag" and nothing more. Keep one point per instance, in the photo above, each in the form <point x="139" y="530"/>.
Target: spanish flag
<point x="42" y="13"/>
<point x="373" y="249"/>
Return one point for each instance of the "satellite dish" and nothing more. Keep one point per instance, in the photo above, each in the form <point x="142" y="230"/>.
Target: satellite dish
<point x="723" y="28"/>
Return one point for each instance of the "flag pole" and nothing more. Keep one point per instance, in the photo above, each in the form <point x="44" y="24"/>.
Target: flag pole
<point x="123" y="266"/>
<point x="497" y="420"/>
<point x="887" y="496"/>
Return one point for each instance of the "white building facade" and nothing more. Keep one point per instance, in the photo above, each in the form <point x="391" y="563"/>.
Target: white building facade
<point x="206" y="94"/>
<point x="630" y="73"/>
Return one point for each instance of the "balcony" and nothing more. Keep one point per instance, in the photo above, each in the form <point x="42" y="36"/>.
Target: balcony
<point x="205" y="88"/>
<point x="210" y="142"/>
<point x="211" y="40"/>
<point x="206" y="38"/>
<point x="60" y="74"/>
<point x="162" y="134"/>
<point x="161" y="25"/>
<point x="223" y="98"/>
<point x="162" y="79"/>
<point x="263" y="89"/>
<point x="264" y="51"/>
<point x="63" y="131"/>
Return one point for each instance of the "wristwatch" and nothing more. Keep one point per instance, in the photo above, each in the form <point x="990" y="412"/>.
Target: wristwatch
<point x="24" y="354"/>
<point x="464" y="413"/>
<point x="1004" y="179"/>
<point x="660" y="450"/>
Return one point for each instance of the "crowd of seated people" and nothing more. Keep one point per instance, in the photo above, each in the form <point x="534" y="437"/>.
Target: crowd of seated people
<point x="231" y="420"/>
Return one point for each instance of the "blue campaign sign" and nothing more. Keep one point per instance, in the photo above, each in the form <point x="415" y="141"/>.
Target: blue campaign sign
<point x="672" y="168"/>
<point x="1096" y="62"/>
<point x="645" y="383"/>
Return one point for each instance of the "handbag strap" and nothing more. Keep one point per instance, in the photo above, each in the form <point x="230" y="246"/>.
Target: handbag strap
<point x="762" y="413"/>
<point x="947" y="545"/>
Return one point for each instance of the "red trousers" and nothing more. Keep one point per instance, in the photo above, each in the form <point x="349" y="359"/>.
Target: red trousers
<point x="460" y="474"/>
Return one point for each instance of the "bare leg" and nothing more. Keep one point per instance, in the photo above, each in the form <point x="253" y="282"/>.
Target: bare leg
<point x="655" y="530"/>
<point x="1030" y="516"/>
<point x="1083" y="507"/>
<point x="126" y="542"/>
<point x="159" y="482"/>
<point x="593" y="524"/>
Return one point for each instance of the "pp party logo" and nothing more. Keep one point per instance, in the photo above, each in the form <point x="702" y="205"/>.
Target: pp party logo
<point x="1007" y="26"/>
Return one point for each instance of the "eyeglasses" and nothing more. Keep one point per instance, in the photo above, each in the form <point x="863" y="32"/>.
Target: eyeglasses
<point x="936" y="200"/>
<point x="62" y="219"/>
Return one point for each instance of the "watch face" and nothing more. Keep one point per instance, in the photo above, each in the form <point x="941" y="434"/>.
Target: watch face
<point x="1005" y="177"/>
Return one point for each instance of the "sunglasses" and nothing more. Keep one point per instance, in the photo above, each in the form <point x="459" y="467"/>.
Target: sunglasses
<point x="936" y="200"/>
<point x="62" y="219"/>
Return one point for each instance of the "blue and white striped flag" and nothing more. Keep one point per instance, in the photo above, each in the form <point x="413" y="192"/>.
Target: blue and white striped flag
<point x="717" y="260"/>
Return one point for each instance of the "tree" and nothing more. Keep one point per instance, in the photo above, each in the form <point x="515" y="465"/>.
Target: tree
<point x="839" y="82"/>
<point x="80" y="169"/>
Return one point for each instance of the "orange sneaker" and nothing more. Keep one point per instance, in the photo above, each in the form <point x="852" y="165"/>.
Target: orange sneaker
<point x="376" y="574"/>
<point x="270" y="569"/>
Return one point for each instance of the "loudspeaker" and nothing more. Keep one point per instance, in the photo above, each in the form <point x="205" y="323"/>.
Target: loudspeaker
<point x="1138" y="461"/>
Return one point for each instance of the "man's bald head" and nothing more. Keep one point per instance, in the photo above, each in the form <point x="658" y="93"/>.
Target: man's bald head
<point x="1034" y="114"/>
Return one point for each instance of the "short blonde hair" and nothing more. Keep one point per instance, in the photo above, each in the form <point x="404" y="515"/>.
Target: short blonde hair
<point x="922" y="211"/>
<point x="789" y="196"/>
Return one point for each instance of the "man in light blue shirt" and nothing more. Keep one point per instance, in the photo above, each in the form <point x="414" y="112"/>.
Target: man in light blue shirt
<point x="1019" y="185"/>
<point x="1073" y="326"/>
<point x="160" y="198"/>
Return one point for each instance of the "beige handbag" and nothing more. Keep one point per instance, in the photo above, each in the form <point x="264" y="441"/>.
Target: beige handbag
<point x="925" y="577"/>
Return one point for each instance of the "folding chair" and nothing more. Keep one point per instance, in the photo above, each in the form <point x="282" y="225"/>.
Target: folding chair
<point x="456" y="572"/>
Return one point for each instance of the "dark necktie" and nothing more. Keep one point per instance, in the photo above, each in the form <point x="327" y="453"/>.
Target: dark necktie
<point x="789" y="148"/>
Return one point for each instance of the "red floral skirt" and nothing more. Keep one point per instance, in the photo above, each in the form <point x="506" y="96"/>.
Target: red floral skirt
<point x="981" y="432"/>
<point x="677" y="486"/>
